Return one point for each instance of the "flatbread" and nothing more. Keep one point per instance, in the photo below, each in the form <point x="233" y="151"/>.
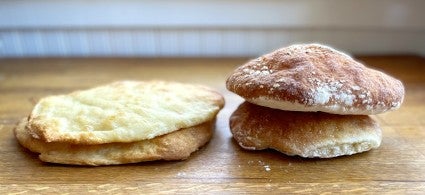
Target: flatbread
<point x="177" y="145"/>
<point x="306" y="134"/>
<point x="313" y="77"/>
<point x="125" y="111"/>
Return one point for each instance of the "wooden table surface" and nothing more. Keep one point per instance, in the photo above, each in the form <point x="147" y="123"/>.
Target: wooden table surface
<point x="398" y="166"/>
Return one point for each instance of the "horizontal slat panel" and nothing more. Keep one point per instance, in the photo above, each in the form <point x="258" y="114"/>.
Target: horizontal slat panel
<point x="198" y="42"/>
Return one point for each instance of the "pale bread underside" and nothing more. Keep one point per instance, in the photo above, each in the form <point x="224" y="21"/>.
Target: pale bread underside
<point x="295" y="106"/>
<point x="177" y="145"/>
<point x="124" y="111"/>
<point x="313" y="77"/>
<point x="306" y="134"/>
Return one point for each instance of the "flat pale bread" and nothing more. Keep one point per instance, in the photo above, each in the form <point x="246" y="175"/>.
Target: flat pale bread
<point x="313" y="77"/>
<point x="306" y="134"/>
<point x="125" y="111"/>
<point x="177" y="145"/>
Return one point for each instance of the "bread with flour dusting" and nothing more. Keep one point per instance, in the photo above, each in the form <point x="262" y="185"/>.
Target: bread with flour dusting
<point x="313" y="77"/>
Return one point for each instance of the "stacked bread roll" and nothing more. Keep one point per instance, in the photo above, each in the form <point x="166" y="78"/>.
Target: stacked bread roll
<point x="122" y="122"/>
<point x="312" y="101"/>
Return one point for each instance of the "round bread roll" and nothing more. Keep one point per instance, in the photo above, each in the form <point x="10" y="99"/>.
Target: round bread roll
<point x="124" y="111"/>
<point x="306" y="134"/>
<point x="177" y="145"/>
<point x="313" y="77"/>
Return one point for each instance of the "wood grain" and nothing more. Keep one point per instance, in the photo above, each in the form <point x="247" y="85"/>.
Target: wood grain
<point x="398" y="166"/>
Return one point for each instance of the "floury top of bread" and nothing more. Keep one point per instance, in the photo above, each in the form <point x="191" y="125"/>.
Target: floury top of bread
<point x="123" y="111"/>
<point x="313" y="77"/>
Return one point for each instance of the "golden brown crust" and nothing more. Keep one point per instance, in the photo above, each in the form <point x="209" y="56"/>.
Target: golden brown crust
<point x="307" y="134"/>
<point x="124" y="111"/>
<point x="177" y="145"/>
<point x="313" y="77"/>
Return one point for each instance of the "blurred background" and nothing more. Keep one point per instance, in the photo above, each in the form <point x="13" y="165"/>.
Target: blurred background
<point x="207" y="28"/>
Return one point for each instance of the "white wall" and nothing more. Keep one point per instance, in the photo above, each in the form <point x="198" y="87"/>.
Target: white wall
<point x="208" y="27"/>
